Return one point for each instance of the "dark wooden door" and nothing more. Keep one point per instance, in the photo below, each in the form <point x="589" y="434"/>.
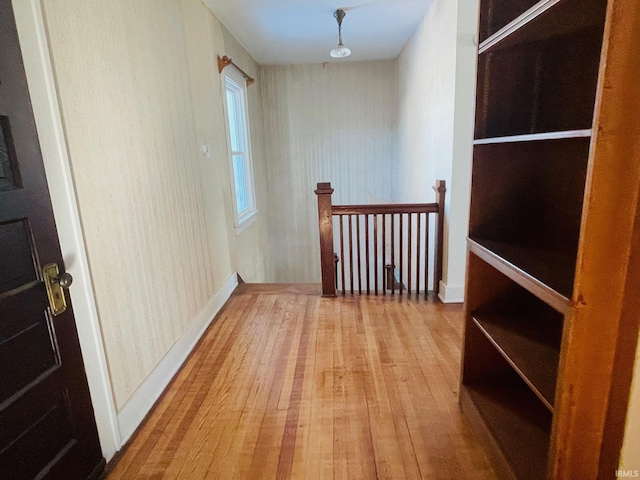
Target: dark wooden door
<point x="47" y="426"/>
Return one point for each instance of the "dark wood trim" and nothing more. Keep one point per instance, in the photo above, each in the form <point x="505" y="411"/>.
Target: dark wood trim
<point x="385" y="209"/>
<point x="325" y="223"/>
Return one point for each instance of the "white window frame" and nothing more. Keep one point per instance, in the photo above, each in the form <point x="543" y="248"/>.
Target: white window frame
<point x="236" y="84"/>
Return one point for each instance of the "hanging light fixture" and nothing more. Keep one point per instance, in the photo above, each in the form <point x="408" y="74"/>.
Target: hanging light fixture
<point x="340" y="51"/>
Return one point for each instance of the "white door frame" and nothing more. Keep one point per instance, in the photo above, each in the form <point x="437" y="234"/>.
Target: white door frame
<point x="44" y="98"/>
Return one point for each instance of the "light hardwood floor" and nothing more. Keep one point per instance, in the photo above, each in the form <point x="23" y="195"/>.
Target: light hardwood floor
<point x="288" y="385"/>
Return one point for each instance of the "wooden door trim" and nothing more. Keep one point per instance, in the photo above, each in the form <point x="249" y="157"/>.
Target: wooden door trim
<point x="37" y="63"/>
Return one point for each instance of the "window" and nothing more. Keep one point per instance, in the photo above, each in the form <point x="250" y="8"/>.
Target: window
<point x="239" y="150"/>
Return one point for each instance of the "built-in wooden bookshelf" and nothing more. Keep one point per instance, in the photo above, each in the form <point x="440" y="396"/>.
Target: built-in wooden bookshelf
<point x="537" y="170"/>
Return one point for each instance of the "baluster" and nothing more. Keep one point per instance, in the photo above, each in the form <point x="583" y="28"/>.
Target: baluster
<point x="351" y="254"/>
<point x="418" y="259"/>
<point x="359" y="259"/>
<point x="343" y="260"/>
<point x="401" y="250"/>
<point x="375" y="251"/>
<point x="426" y="255"/>
<point x="366" y="253"/>
<point x="409" y="255"/>
<point x="393" y="255"/>
<point x="384" y="253"/>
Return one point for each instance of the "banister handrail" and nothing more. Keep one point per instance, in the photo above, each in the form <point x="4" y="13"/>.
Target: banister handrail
<point x="328" y="258"/>
<point x="389" y="208"/>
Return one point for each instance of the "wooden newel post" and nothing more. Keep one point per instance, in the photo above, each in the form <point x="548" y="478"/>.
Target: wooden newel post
<point x="325" y="226"/>
<point x="440" y="189"/>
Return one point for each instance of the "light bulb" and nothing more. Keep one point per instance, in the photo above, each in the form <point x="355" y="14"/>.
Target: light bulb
<point x="340" y="51"/>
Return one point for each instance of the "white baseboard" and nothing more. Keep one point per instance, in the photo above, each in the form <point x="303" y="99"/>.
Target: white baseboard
<point x="451" y="293"/>
<point x="133" y="412"/>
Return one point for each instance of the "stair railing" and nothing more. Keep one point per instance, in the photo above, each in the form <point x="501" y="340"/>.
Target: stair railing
<point x="393" y="240"/>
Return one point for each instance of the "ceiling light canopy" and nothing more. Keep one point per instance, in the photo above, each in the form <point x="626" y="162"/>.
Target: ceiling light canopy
<point x="340" y="51"/>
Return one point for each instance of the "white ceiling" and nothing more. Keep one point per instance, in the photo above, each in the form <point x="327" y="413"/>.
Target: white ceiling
<point x="304" y="31"/>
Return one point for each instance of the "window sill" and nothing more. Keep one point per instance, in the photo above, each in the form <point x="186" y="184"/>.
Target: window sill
<point x="246" y="221"/>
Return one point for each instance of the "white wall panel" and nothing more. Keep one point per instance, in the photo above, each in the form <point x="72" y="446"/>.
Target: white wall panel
<point x="426" y="93"/>
<point x="463" y="122"/>
<point x="436" y="73"/>
<point x="324" y="123"/>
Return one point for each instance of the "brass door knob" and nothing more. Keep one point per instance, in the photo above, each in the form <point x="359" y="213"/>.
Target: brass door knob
<point x="54" y="282"/>
<point x="65" y="280"/>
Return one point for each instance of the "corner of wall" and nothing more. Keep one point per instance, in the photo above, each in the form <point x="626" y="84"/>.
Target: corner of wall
<point x="451" y="293"/>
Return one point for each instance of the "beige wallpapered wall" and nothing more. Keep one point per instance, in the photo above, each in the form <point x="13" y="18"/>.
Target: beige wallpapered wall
<point x="208" y="38"/>
<point x="139" y="96"/>
<point x="325" y="123"/>
<point x="426" y="94"/>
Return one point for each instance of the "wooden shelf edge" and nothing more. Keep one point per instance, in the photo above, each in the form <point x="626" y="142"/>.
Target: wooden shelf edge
<point x="534" y="286"/>
<point x="513" y="364"/>
<point x="499" y="463"/>
<point x="534" y="137"/>
<point x="515" y="25"/>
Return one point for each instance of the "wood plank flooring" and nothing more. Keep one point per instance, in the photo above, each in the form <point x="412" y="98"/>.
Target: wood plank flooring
<point x="288" y="385"/>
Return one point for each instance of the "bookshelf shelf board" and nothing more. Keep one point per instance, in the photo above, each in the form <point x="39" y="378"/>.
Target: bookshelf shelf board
<point x="515" y="25"/>
<point x="547" y="275"/>
<point x="535" y="137"/>
<point x="527" y="349"/>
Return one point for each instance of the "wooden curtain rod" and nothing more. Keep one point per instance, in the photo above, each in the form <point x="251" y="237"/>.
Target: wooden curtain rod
<point x="225" y="61"/>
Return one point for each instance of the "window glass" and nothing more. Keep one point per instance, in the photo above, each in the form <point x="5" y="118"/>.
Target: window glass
<point x="234" y="134"/>
<point x="241" y="184"/>
<point x="240" y="150"/>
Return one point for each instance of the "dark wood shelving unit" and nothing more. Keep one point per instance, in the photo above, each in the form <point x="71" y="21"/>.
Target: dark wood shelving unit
<point x="539" y="173"/>
<point x="511" y="355"/>
<point x="526" y="202"/>
<point x="520" y="425"/>
<point x="532" y="350"/>
<point x="548" y="70"/>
